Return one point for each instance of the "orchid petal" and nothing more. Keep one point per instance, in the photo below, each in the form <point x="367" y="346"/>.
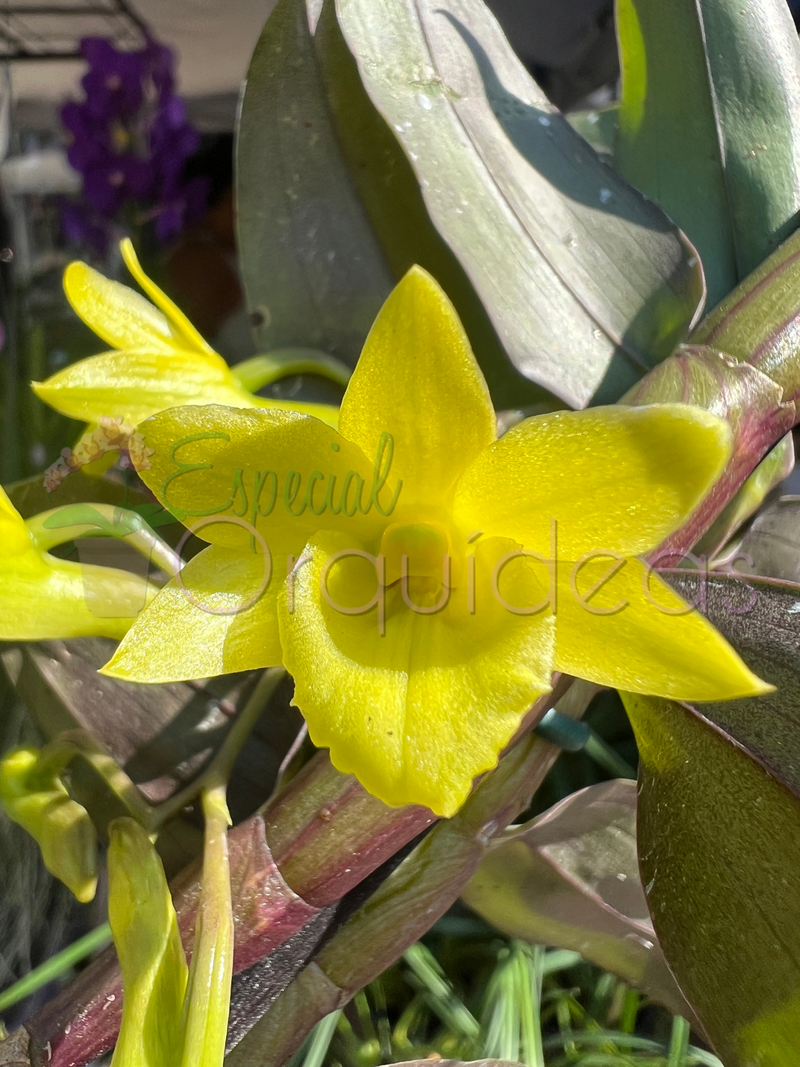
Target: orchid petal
<point x="226" y="472"/>
<point x="218" y="617"/>
<point x="636" y="633"/>
<point x="14" y="537"/>
<point x="418" y="381"/>
<point x="616" y="479"/>
<point x="44" y="598"/>
<point x="418" y="712"/>
<point x="123" y="318"/>
<point x="184" y="334"/>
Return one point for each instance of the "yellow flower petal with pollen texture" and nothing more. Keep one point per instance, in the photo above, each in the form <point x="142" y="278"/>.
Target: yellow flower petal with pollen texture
<point x="653" y="642"/>
<point x="418" y="712"/>
<point x="416" y="676"/>
<point x="285" y="473"/>
<point x="221" y="615"/>
<point x="618" y="479"/>
<point x="160" y="360"/>
<point x="45" y="598"/>
<point x="135" y="384"/>
<point x="418" y="380"/>
<point x="117" y="314"/>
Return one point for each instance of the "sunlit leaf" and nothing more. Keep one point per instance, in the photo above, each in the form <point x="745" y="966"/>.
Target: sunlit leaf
<point x="711" y="102"/>
<point x="474" y="167"/>
<point x="718" y="844"/>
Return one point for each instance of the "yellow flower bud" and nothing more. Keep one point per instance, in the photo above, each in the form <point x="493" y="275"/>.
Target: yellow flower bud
<point x="61" y="827"/>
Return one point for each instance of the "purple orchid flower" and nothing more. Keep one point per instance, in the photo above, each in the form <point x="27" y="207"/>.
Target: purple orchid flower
<point x="130" y="139"/>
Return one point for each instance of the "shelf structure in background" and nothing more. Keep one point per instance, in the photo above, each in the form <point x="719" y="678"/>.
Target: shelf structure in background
<point x="33" y="30"/>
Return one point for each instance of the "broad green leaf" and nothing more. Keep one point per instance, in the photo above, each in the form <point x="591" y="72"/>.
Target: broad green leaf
<point x="570" y="879"/>
<point x="314" y="272"/>
<point x="761" y="619"/>
<point x="719" y="829"/>
<point x="506" y="179"/>
<point x="463" y="167"/>
<point x="709" y="124"/>
<point x="718" y="842"/>
<point x="773" y="542"/>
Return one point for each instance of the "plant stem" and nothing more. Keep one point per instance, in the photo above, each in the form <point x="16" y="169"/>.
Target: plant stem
<point x="56" y="966"/>
<point x="255" y="373"/>
<point x="61" y="751"/>
<point x="72" y="521"/>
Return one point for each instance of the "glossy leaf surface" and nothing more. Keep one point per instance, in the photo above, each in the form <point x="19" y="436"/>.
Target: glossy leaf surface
<point x="718" y="841"/>
<point x="475" y="162"/>
<point x="723" y="118"/>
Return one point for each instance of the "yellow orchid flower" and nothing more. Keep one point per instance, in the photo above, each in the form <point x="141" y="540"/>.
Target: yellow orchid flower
<point x="159" y="360"/>
<point x="424" y="579"/>
<point x="43" y="597"/>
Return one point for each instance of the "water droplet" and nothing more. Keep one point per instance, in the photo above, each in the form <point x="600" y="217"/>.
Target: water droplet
<point x="691" y="261"/>
<point x="424" y="101"/>
<point x="592" y="117"/>
<point x="544" y="120"/>
<point x="605" y="196"/>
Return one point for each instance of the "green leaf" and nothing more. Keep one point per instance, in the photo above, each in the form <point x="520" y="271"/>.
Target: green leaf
<point x="313" y="270"/>
<point x="570" y="879"/>
<point x="718" y="837"/>
<point x="599" y="128"/>
<point x="504" y="177"/>
<point x="761" y="619"/>
<point x="709" y="124"/>
<point x="423" y="139"/>
<point x="719" y="825"/>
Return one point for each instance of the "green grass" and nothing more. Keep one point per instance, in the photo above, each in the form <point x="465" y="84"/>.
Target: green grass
<point x="465" y="994"/>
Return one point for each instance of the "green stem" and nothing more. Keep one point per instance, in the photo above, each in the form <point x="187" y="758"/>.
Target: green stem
<point x="56" y="966"/>
<point x="56" y="757"/>
<point x="73" y="521"/>
<point x="607" y="757"/>
<point x="255" y="373"/>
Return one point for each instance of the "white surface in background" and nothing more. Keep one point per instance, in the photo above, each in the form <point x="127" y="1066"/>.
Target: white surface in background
<point x="214" y="41"/>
